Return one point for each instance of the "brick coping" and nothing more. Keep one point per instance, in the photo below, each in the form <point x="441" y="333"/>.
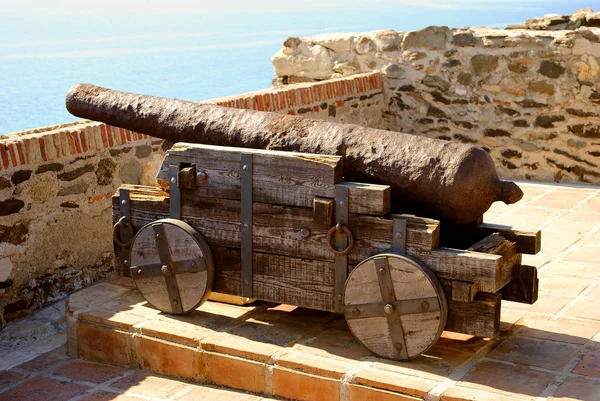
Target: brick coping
<point x="82" y="137"/>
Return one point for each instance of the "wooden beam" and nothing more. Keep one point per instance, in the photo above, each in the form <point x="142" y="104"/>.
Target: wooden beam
<point x="323" y="210"/>
<point x="276" y="228"/>
<point x="463" y="291"/>
<point x="528" y="242"/>
<point x="284" y="178"/>
<point x="479" y="318"/>
<point x="455" y="264"/>
<point x="524" y="288"/>
<point x="495" y="244"/>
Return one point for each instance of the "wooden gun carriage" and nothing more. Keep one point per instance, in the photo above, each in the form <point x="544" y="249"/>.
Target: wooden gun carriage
<point x="285" y="227"/>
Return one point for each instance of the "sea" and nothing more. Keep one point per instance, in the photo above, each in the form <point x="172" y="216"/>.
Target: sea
<point x="191" y="55"/>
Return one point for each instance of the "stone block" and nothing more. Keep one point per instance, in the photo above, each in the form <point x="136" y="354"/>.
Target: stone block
<point x="362" y="393"/>
<point x="234" y="372"/>
<point x="535" y="352"/>
<point x="433" y="38"/>
<point x="103" y="344"/>
<point x="300" y="386"/>
<point x="167" y="358"/>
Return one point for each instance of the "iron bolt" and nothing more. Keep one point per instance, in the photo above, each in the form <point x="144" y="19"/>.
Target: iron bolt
<point x="165" y="269"/>
<point x="157" y="236"/>
<point x="123" y="202"/>
<point x="382" y="271"/>
<point x="173" y="180"/>
<point x="174" y="301"/>
<point x="140" y="272"/>
<point x="398" y="234"/>
<point x="388" y="308"/>
<point x="425" y="305"/>
<point x="342" y="203"/>
<point x="356" y="312"/>
<point x="245" y="167"/>
<point x="305" y="232"/>
<point x="398" y="346"/>
<point x="201" y="175"/>
<point x="126" y="262"/>
<point x="246" y="225"/>
<point x="194" y="265"/>
<point x="246" y="281"/>
<point x="340" y="296"/>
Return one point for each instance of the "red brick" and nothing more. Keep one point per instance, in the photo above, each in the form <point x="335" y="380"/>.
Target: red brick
<point x="88" y="371"/>
<point x="42" y="148"/>
<point x="316" y="109"/>
<point x="577" y="389"/>
<point x="4" y="155"/>
<point x="535" y="352"/>
<point x="43" y="388"/>
<point x="300" y="386"/>
<point x="339" y="103"/>
<point x="57" y="147"/>
<point x="259" y="103"/>
<point x="234" y="372"/>
<point x="291" y="112"/>
<point x="167" y="358"/>
<point x="267" y="101"/>
<point x="104" y="136"/>
<point x="361" y="393"/>
<point x="122" y="135"/>
<point x="470" y="394"/>
<point x="20" y="152"/>
<point x="100" y="344"/>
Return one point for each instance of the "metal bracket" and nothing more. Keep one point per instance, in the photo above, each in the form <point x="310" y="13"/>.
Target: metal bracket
<point x="246" y="240"/>
<point x="399" y="236"/>
<point x="175" y="193"/>
<point x="341" y="242"/>
<point x="162" y="245"/>
<point x="125" y="210"/>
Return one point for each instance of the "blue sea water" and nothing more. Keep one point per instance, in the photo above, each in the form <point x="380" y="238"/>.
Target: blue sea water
<point x="192" y="56"/>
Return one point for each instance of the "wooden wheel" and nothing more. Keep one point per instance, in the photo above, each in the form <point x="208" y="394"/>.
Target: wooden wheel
<point x="395" y="306"/>
<point x="172" y="266"/>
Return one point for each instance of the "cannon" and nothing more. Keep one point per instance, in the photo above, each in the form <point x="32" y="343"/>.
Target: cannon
<point x="291" y="227"/>
<point x="444" y="180"/>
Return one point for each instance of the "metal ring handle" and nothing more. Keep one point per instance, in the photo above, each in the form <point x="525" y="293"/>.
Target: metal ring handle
<point x="123" y="222"/>
<point x="346" y="231"/>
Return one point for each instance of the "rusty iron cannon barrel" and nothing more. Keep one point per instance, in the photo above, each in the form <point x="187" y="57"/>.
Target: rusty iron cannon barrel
<point x="445" y="180"/>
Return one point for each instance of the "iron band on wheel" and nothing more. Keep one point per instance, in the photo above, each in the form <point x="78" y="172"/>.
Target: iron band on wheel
<point x="123" y="222"/>
<point x="340" y="228"/>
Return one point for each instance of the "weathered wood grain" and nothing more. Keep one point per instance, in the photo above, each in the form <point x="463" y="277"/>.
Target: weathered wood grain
<point x="524" y="287"/>
<point x="479" y="318"/>
<point x="415" y="332"/>
<point x="463" y="291"/>
<point x="456" y="264"/>
<point x="285" y="178"/>
<point x="277" y="229"/>
<point x="528" y="241"/>
<point x="323" y="210"/>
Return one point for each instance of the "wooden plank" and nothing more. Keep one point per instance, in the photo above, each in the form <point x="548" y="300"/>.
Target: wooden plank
<point x="323" y="210"/>
<point x="456" y="264"/>
<point x="277" y="228"/>
<point x="285" y="178"/>
<point x="463" y="291"/>
<point x="528" y="241"/>
<point x="294" y="281"/>
<point x="495" y="244"/>
<point x="479" y="318"/>
<point x="371" y="199"/>
<point x="524" y="288"/>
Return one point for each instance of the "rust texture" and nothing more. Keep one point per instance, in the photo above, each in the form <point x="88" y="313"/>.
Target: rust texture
<point x="445" y="180"/>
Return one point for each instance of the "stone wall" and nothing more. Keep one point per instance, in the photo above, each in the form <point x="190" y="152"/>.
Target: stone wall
<point x="529" y="97"/>
<point x="56" y="184"/>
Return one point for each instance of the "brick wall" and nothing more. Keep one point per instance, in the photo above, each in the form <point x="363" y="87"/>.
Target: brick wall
<point x="56" y="183"/>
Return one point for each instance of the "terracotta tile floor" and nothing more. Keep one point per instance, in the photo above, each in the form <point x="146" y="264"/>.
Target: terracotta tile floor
<point x="548" y="351"/>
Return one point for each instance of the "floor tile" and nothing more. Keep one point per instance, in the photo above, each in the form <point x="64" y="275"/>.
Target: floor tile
<point x="150" y="385"/>
<point x="512" y="380"/>
<point x="8" y="378"/>
<point x="46" y="360"/>
<point x="577" y="389"/>
<point x="546" y="354"/>
<point x="88" y="371"/>
<point x="589" y="364"/>
<point x="586" y="308"/>
<point x="562" y="285"/>
<point x="563" y="330"/>
<point x="43" y="389"/>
